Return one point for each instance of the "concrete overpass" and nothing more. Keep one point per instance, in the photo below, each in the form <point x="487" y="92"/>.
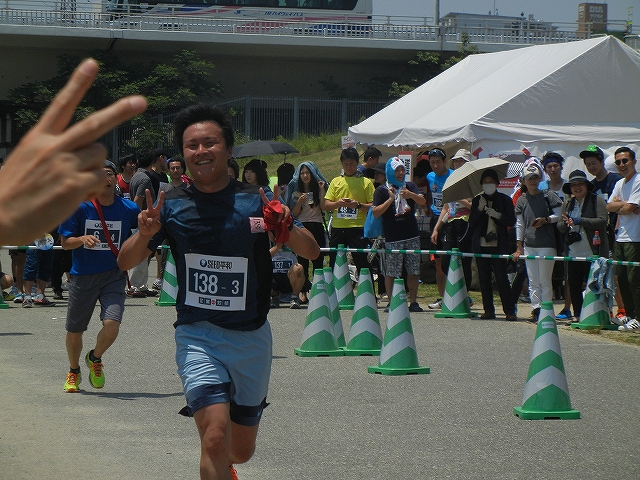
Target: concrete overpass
<point x="267" y="58"/>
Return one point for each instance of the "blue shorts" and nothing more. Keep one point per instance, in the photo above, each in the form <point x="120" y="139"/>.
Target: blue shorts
<point x="218" y="365"/>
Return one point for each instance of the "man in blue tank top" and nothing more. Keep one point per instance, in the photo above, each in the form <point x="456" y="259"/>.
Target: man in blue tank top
<point x="217" y="232"/>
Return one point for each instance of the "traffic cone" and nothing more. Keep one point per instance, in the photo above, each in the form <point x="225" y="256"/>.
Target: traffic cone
<point x="455" y="303"/>
<point x="3" y="305"/>
<point x="365" y="334"/>
<point x="342" y="280"/>
<point x="338" y="331"/>
<point x="398" y="355"/>
<point x="169" y="291"/>
<point x="318" y="338"/>
<point x="595" y="312"/>
<point x="546" y="394"/>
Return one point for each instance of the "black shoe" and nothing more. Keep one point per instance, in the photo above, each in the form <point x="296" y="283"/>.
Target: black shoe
<point x="58" y="295"/>
<point x="414" y="307"/>
<point x="488" y="316"/>
<point x="535" y="313"/>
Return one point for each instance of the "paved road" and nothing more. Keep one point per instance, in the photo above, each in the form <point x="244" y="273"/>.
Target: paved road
<point x="329" y="418"/>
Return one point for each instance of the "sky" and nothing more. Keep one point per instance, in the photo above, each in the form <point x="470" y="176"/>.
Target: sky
<point x="545" y="10"/>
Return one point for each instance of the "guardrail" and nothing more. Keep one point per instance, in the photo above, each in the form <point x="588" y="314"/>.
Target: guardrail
<point x="378" y="28"/>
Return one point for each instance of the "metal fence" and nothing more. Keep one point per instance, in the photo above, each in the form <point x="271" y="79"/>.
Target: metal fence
<point x="264" y="118"/>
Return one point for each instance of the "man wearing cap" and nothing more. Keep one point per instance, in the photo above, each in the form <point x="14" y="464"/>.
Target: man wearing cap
<point x="625" y="201"/>
<point x="583" y="214"/>
<point x="440" y="171"/>
<point x="95" y="275"/>
<point x="453" y="222"/>
<point x="603" y="183"/>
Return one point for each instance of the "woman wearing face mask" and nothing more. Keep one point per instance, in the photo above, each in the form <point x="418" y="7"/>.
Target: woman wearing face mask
<point x="492" y="214"/>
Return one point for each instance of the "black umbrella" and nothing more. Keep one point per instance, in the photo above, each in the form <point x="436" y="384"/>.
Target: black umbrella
<point x="261" y="147"/>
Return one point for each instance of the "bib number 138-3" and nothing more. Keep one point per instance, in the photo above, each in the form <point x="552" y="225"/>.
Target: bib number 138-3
<point x="216" y="283"/>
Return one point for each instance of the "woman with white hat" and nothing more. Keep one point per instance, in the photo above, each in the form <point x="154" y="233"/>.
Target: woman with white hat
<point x="584" y="214"/>
<point x="535" y="211"/>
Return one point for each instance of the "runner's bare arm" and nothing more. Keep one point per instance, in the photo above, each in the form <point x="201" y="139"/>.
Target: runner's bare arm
<point x="135" y="250"/>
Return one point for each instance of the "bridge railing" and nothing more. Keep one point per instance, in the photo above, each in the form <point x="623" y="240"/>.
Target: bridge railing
<point x="378" y="28"/>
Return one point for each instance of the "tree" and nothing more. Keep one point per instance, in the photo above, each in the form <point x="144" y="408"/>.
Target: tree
<point x="167" y="87"/>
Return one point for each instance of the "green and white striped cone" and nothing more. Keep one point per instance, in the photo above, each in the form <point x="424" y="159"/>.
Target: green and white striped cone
<point x="365" y="334"/>
<point x="455" y="302"/>
<point x="169" y="291"/>
<point x="546" y="394"/>
<point x="342" y="280"/>
<point x="338" y="331"/>
<point x="318" y="339"/>
<point x="398" y="355"/>
<point x="3" y="305"/>
<point x="595" y="311"/>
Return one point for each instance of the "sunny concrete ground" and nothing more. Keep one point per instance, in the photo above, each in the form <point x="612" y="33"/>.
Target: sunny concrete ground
<point x="328" y="418"/>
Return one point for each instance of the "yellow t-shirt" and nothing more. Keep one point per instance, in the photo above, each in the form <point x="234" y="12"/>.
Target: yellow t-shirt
<point x="359" y="189"/>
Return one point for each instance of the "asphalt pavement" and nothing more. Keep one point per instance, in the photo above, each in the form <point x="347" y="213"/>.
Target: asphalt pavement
<point x="328" y="418"/>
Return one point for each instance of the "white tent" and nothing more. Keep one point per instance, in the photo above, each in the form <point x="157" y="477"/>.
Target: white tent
<point x="558" y="97"/>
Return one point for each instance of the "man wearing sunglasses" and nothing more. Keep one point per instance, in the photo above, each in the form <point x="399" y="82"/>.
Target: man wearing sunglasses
<point x="625" y="201"/>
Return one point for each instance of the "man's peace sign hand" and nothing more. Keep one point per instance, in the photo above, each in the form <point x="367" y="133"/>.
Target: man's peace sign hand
<point x="149" y="219"/>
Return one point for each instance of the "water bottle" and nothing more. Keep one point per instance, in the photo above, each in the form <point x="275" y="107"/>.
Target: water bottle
<point x="596" y="239"/>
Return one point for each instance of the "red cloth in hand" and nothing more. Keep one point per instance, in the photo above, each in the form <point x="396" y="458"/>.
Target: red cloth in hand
<point x="273" y="213"/>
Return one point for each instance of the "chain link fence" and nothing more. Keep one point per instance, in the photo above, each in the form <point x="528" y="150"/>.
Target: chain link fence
<point x="263" y="118"/>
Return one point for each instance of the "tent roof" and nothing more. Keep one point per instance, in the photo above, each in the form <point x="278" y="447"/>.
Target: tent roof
<point x="572" y="92"/>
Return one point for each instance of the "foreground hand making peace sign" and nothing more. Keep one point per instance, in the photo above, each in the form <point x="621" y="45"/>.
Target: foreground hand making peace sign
<point x="54" y="168"/>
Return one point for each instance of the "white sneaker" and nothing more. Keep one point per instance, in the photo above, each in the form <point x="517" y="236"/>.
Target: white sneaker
<point x="435" y="305"/>
<point x="619" y="320"/>
<point x="632" y="324"/>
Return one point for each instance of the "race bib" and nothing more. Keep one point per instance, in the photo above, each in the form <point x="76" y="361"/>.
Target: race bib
<point x="437" y="201"/>
<point x="348" y="213"/>
<point x="216" y="283"/>
<point x="282" y="261"/>
<point x="94" y="228"/>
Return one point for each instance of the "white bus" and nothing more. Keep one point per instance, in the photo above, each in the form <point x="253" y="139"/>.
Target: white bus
<point x="343" y="11"/>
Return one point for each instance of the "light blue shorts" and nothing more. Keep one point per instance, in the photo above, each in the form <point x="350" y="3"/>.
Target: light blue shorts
<point x="218" y="365"/>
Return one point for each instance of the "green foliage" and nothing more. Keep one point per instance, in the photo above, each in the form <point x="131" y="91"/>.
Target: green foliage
<point x="167" y="87"/>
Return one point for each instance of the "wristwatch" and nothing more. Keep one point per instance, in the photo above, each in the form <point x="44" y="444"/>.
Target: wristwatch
<point x="358" y="205"/>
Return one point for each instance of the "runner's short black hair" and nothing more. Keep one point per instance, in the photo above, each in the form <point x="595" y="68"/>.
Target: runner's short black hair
<point x="203" y="112"/>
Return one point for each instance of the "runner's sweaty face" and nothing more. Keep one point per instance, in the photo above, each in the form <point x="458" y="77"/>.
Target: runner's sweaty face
<point x="206" y="153"/>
